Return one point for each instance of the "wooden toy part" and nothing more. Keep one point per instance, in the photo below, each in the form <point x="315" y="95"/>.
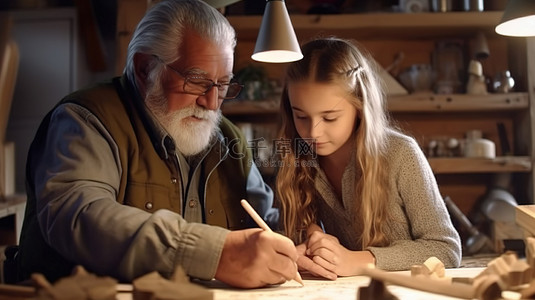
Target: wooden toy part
<point x="519" y="274"/>
<point x="529" y="292"/>
<point x="452" y="289"/>
<point x="510" y="295"/>
<point x="432" y="268"/>
<point x="530" y="254"/>
<point x="376" y="290"/>
<point x="511" y="271"/>
<point x="488" y="287"/>
<point x="500" y="267"/>
<point x="81" y="285"/>
<point x="420" y="270"/>
<point x="154" y="287"/>
<point x="435" y="266"/>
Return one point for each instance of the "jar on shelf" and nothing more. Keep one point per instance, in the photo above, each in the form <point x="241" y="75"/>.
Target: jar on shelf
<point x="478" y="147"/>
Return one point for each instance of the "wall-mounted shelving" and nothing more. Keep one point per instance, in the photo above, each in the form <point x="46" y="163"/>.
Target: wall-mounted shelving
<point x="428" y="115"/>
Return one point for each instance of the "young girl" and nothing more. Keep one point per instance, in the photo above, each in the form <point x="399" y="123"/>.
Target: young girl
<point x="354" y="190"/>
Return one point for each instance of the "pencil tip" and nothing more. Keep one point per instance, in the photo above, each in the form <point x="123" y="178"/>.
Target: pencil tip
<point x="299" y="279"/>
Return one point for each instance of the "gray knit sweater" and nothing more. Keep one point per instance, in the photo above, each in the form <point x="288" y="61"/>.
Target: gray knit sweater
<point x="421" y="226"/>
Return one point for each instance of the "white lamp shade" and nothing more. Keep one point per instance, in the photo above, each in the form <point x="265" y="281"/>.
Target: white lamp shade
<point x="276" y="41"/>
<point x="518" y="19"/>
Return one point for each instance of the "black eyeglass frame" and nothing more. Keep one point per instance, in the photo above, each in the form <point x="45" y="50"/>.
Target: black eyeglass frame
<point x="209" y="84"/>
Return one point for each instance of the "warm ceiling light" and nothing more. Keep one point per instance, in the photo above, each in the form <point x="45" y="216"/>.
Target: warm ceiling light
<point x="276" y="41"/>
<point x="518" y="19"/>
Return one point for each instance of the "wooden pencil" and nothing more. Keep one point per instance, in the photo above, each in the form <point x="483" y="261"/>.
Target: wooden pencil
<point x="260" y="222"/>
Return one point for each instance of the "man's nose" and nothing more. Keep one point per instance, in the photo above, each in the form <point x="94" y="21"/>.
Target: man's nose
<point x="210" y="100"/>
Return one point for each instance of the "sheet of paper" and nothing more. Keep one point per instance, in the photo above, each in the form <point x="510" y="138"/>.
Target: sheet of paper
<point x="341" y="289"/>
<point x="344" y="288"/>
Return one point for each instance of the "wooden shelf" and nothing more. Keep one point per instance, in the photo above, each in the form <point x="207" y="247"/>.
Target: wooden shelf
<point x="426" y="115"/>
<point x="465" y="165"/>
<point x="459" y="165"/>
<point x="249" y="107"/>
<point x="419" y="102"/>
<point x="429" y="102"/>
<point x="380" y="25"/>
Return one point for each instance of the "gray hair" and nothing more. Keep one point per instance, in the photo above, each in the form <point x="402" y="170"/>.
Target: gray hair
<point x="161" y="30"/>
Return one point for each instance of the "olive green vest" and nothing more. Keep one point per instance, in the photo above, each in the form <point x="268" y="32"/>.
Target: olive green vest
<point x="148" y="181"/>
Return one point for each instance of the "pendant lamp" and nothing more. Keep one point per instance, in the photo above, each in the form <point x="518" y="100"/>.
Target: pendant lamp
<point x="276" y="41"/>
<point x="518" y="19"/>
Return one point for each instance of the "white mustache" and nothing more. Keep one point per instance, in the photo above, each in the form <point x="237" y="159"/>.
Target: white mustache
<point x="197" y="112"/>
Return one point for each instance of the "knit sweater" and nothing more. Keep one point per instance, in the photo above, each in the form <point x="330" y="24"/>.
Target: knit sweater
<point x="420" y="226"/>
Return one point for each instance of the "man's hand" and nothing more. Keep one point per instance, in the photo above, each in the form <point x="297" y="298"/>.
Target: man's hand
<point x="254" y="258"/>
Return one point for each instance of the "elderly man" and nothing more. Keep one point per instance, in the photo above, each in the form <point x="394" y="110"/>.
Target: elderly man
<point x="142" y="173"/>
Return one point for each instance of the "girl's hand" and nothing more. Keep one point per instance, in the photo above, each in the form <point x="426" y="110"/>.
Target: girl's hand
<point x="306" y="263"/>
<point x="327" y="252"/>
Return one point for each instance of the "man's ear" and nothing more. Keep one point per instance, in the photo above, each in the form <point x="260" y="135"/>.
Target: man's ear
<point x="141" y="69"/>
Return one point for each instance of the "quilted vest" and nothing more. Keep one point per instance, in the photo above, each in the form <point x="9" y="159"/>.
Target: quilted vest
<point x="148" y="181"/>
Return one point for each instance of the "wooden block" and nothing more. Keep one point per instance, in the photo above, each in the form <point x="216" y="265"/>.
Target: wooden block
<point x="432" y="268"/>
<point x="81" y="285"/>
<point x="511" y="271"/>
<point x="505" y="231"/>
<point x="154" y="287"/>
<point x="530" y="254"/>
<point x="519" y="274"/>
<point x="499" y="267"/>
<point x="452" y="289"/>
<point x="420" y="270"/>
<point x="376" y="290"/>
<point x="525" y="218"/>
<point x="435" y="266"/>
<point x="529" y="292"/>
<point x="510" y="295"/>
<point x="488" y="287"/>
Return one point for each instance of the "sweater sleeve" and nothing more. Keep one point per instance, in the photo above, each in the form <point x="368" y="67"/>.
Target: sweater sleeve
<point x="77" y="179"/>
<point x="421" y="225"/>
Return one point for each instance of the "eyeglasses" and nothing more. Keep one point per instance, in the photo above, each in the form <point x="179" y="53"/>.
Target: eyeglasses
<point x="196" y="85"/>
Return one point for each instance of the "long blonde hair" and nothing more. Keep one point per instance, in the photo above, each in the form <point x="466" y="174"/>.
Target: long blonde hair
<point x="343" y="62"/>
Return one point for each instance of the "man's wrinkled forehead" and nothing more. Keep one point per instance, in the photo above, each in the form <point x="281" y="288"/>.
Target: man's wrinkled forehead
<point x="199" y="53"/>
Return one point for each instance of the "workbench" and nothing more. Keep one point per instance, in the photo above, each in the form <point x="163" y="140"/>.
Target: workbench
<point x="344" y="288"/>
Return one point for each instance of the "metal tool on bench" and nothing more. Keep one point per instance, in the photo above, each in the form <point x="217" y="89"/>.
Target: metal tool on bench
<point x="476" y="241"/>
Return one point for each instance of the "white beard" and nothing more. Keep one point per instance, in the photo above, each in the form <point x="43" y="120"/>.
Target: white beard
<point x="191" y="136"/>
